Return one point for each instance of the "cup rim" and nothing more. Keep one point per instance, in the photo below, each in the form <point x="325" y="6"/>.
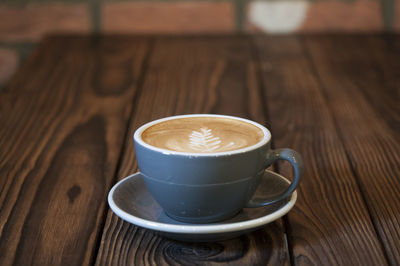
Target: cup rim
<point x="138" y="137"/>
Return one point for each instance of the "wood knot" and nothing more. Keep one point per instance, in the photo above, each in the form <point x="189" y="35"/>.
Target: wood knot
<point x="221" y="252"/>
<point x="73" y="193"/>
<point x="182" y="252"/>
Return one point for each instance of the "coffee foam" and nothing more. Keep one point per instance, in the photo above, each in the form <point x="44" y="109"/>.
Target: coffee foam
<point x="202" y="134"/>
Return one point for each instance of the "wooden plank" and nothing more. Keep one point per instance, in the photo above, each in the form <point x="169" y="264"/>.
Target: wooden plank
<point x="63" y="120"/>
<point x="363" y="93"/>
<point x="193" y="75"/>
<point x="376" y="75"/>
<point x="330" y="224"/>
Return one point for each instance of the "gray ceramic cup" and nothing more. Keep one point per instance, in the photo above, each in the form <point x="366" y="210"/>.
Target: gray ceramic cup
<point x="210" y="187"/>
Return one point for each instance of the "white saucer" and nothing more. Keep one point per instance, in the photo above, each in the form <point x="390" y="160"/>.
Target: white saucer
<point x="131" y="201"/>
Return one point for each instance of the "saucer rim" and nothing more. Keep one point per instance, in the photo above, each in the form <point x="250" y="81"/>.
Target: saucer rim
<point x="199" y="228"/>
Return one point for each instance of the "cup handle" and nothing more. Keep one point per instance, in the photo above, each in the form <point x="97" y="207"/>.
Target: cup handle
<point x="294" y="158"/>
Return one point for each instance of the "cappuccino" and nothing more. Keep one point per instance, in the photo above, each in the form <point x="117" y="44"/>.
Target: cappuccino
<point x="202" y="134"/>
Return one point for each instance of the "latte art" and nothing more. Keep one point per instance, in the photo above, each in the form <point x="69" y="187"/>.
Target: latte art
<point x="202" y="134"/>
<point x="205" y="141"/>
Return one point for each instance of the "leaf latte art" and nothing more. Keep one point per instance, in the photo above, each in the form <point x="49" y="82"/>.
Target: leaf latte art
<point x="204" y="141"/>
<point x="202" y="134"/>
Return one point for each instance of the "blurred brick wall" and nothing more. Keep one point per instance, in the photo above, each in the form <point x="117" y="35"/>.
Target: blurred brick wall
<point x="24" y="22"/>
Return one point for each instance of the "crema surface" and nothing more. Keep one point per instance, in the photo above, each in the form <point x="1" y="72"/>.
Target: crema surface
<point x="202" y="134"/>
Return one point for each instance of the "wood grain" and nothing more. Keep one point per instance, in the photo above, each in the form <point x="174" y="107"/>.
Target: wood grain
<point x="365" y="104"/>
<point x="375" y="68"/>
<point x="330" y="224"/>
<point x="63" y="122"/>
<point x="67" y="119"/>
<point x="193" y="75"/>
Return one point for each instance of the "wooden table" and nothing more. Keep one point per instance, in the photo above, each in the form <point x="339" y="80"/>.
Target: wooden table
<point x="66" y="124"/>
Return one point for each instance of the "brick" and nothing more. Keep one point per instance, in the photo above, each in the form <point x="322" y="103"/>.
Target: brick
<point x="396" y="22"/>
<point x="287" y="16"/>
<point x="8" y="64"/>
<point x="360" y="15"/>
<point x="168" y="17"/>
<point x="31" y="22"/>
